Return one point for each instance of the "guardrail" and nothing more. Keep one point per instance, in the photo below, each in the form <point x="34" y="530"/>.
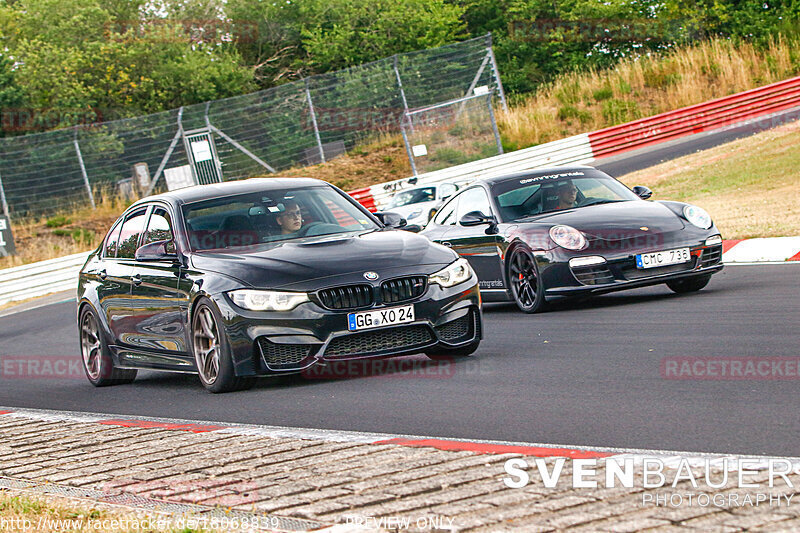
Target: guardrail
<point x="55" y="275"/>
<point x="586" y="148"/>
<point x="38" y="279"/>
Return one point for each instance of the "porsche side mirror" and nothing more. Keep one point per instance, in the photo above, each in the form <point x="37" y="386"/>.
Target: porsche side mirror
<point x="642" y="192"/>
<point x="159" y="251"/>
<point x="391" y="220"/>
<point x="476" y="218"/>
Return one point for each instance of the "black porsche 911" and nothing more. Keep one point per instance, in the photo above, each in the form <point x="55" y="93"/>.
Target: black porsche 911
<point x="263" y="277"/>
<point x="574" y="231"/>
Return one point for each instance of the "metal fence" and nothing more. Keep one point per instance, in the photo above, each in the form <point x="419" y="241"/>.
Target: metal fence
<point x="296" y="124"/>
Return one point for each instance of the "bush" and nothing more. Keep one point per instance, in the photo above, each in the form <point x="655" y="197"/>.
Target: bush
<point x="603" y="94"/>
<point x="57" y="222"/>
<point x="619" y="111"/>
<point x="569" y="112"/>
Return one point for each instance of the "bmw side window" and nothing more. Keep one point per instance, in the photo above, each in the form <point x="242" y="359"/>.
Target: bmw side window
<point x="112" y="240"/>
<point x="159" y="227"/>
<point x="474" y="200"/>
<point x="129" y="234"/>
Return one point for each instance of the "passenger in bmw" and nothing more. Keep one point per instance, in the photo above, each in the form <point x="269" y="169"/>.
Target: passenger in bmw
<point x="291" y="218"/>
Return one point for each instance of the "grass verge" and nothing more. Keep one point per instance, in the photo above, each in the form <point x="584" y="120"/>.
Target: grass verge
<point x="23" y="512"/>
<point x="749" y="186"/>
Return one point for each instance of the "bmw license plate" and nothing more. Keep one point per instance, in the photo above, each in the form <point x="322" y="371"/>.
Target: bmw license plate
<point x="667" y="257"/>
<point x="381" y="317"/>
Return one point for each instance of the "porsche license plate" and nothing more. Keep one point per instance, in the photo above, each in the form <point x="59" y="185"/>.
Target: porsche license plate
<point x="667" y="257"/>
<point x="381" y="317"/>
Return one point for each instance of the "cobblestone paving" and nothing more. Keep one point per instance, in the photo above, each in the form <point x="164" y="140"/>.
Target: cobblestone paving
<point x="378" y="486"/>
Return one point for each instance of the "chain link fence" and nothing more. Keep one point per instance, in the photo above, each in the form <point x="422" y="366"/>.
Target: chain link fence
<point x="297" y="124"/>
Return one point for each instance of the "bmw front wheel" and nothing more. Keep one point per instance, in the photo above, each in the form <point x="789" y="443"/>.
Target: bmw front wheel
<point x="212" y="352"/>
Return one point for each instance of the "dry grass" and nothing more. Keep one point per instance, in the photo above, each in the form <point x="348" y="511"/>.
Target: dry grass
<point x="71" y="232"/>
<point x="589" y="101"/>
<point x="749" y="186"/>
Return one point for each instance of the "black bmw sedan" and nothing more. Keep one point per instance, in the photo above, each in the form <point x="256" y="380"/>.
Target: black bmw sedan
<point x="262" y="277"/>
<point x="575" y="231"/>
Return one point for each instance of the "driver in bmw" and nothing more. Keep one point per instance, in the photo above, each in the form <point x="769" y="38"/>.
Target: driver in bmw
<point x="290" y="219"/>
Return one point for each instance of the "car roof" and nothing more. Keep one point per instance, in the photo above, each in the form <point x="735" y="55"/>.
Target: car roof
<point x="535" y="172"/>
<point x="229" y="188"/>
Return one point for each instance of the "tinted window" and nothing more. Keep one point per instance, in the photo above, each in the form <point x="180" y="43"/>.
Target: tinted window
<point x="474" y="200"/>
<point x="112" y="240"/>
<point x="129" y="235"/>
<point x="159" y="227"/>
<point x="446" y="217"/>
<point x="270" y="216"/>
<point x="414" y="196"/>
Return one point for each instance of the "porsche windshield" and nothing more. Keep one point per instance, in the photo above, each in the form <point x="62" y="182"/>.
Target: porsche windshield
<point x="414" y="196"/>
<point x="270" y="216"/>
<point x="520" y="198"/>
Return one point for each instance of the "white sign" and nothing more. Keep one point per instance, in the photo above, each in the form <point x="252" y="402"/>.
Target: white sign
<point x="3" y="224"/>
<point x="483" y="89"/>
<point x="419" y="150"/>
<point x="178" y="177"/>
<point x="201" y="151"/>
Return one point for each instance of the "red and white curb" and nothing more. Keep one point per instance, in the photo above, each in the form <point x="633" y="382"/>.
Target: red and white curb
<point x="638" y="456"/>
<point x="762" y="250"/>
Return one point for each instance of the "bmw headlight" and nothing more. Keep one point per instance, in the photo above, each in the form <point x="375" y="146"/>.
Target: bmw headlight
<point x="697" y="216"/>
<point x="455" y="273"/>
<point x="255" y="300"/>
<point x="568" y="237"/>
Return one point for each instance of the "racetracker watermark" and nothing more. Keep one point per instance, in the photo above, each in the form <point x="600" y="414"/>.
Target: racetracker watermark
<point x="146" y="523"/>
<point x="41" y="367"/>
<point x="730" y="368"/>
<point x="397" y="368"/>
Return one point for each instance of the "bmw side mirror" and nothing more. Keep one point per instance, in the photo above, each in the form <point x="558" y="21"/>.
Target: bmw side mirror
<point x="391" y="220"/>
<point x="642" y="192"/>
<point x="413" y="228"/>
<point x="159" y="251"/>
<point x="476" y="218"/>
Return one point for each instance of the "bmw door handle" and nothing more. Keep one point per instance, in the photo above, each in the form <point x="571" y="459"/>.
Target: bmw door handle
<point x="102" y="275"/>
<point x="137" y="280"/>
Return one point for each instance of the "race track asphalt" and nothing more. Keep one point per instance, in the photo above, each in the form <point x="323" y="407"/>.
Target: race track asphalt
<point x="584" y="373"/>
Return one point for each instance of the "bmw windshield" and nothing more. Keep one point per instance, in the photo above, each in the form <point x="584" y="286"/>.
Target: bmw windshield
<point x="525" y="197"/>
<point x="271" y="216"/>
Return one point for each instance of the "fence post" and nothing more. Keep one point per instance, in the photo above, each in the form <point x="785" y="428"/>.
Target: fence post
<point x="83" y="167"/>
<point x="314" y="121"/>
<point x="217" y="162"/>
<point x="408" y="145"/>
<point x="496" y="73"/>
<point x="3" y="199"/>
<point x="403" y="96"/>
<point x="494" y="124"/>
<point x="165" y="159"/>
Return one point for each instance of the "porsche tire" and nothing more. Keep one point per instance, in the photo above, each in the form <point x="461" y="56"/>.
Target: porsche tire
<point x="524" y="280"/>
<point x="689" y="285"/>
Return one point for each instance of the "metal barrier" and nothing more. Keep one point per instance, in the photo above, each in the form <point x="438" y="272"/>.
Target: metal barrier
<point x="38" y="279"/>
<point x="586" y="148"/>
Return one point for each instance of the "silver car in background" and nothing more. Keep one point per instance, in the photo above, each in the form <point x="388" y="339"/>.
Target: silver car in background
<point x="418" y="205"/>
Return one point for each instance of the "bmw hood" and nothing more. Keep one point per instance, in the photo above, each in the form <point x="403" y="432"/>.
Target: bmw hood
<point x="321" y="261"/>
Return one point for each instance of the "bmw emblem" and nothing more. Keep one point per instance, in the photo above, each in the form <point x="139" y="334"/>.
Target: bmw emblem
<point x="371" y="276"/>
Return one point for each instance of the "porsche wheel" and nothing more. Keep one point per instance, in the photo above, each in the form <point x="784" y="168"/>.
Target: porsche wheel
<point x="689" y="285"/>
<point x="96" y="357"/>
<point x="523" y="276"/>
<point x="212" y="352"/>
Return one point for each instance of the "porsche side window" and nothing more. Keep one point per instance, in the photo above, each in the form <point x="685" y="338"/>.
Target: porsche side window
<point x="129" y="235"/>
<point x="159" y="227"/>
<point x="446" y="216"/>
<point x="112" y="240"/>
<point x="474" y="200"/>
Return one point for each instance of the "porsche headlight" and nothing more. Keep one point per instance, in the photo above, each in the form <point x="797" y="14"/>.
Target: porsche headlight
<point x="455" y="273"/>
<point x="568" y="237"/>
<point x="255" y="300"/>
<point x="697" y="216"/>
<point x="414" y="214"/>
